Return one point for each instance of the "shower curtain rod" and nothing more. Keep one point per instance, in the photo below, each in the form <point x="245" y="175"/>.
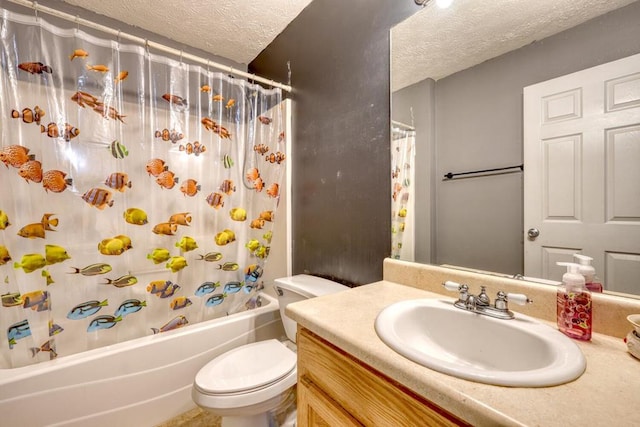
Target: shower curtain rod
<point x="402" y="125"/>
<point x="145" y="42"/>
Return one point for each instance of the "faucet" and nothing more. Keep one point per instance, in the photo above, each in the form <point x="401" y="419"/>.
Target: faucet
<point x="481" y="303"/>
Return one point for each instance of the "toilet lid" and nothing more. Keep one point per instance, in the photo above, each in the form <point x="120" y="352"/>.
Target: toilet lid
<point x="246" y="367"/>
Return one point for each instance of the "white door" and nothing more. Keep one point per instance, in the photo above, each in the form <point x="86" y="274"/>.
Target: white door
<point x="582" y="173"/>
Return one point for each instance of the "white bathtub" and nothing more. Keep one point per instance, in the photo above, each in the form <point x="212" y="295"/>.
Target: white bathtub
<point x="142" y="382"/>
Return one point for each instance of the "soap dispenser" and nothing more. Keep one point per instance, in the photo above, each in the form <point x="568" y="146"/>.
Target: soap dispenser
<point x="574" y="304"/>
<point x="586" y="269"/>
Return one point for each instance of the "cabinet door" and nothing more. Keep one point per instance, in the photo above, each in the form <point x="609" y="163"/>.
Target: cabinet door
<point x="316" y="409"/>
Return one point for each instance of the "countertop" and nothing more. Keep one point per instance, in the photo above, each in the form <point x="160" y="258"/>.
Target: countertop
<point x="608" y="393"/>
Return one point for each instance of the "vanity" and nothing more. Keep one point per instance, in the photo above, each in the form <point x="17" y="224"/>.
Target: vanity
<point x="348" y="377"/>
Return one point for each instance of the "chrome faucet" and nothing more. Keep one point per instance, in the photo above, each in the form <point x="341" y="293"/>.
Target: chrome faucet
<point x="481" y="303"/>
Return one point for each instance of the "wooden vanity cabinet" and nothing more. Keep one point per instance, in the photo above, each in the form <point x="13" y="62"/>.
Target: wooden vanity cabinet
<point x="335" y="390"/>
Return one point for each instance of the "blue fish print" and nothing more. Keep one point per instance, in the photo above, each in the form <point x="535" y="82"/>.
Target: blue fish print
<point x="103" y="322"/>
<point x="129" y="306"/>
<point x="18" y="331"/>
<point x="215" y="300"/>
<point x="86" y="309"/>
<point x="249" y="287"/>
<point x="233" y="287"/>
<point x="206" y="288"/>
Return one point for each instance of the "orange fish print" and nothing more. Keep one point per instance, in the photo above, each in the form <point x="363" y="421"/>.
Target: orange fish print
<point x="156" y="166"/>
<point x="195" y="148"/>
<point x="109" y="112"/>
<point x="167" y="179"/>
<point x="208" y="123"/>
<point x="35" y="67"/>
<point x="183" y="218"/>
<point x="98" y="197"/>
<point x="15" y="155"/>
<point x="169" y="135"/>
<point x="230" y="103"/>
<point x="218" y="98"/>
<point x="28" y="115"/>
<point x="118" y="181"/>
<point x="227" y="187"/>
<point x="257" y="223"/>
<point x="222" y="131"/>
<point x="258" y="184"/>
<point x="54" y="180"/>
<point x="166" y="228"/>
<point x="37" y="230"/>
<point x="53" y="131"/>
<point x="273" y="190"/>
<point x="266" y="215"/>
<point x="275" y="157"/>
<point x="121" y="76"/>
<point x="205" y="88"/>
<point x="190" y="187"/>
<point x="84" y="98"/>
<point x="253" y="174"/>
<point x="175" y="99"/>
<point x="215" y="200"/>
<point x="265" y="120"/>
<point x="31" y="171"/>
<point x="99" y="68"/>
<point x="281" y="137"/>
<point x="261" y="149"/>
<point x="78" y="53"/>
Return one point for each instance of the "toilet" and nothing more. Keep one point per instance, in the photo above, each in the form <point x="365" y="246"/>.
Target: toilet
<point x="244" y="384"/>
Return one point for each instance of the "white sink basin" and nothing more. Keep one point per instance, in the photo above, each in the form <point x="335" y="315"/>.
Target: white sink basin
<point x="521" y="352"/>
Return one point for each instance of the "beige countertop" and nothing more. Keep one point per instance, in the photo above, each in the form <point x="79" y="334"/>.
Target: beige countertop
<point x="608" y="393"/>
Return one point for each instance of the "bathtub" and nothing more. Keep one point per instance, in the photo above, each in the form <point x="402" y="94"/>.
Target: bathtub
<point x="141" y="382"/>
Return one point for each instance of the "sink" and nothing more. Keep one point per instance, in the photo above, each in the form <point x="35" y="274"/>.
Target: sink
<point x="520" y="352"/>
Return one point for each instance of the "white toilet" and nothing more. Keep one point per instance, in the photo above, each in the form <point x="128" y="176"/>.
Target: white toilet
<point x="244" y="384"/>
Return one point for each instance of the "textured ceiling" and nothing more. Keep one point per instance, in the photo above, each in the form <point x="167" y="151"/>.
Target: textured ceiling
<point x="438" y="42"/>
<point x="234" y="29"/>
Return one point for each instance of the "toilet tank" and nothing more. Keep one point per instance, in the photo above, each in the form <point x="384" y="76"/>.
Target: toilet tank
<point x="301" y="287"/>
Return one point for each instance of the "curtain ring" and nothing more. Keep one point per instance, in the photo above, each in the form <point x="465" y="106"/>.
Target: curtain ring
<point x="77" y="23"/>
<point x="35" y="9"/>
<point x="181" y="57"/>
<point x="119" y="32"/>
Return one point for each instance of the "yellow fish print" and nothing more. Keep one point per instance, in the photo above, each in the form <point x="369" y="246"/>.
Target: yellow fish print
<point x="55" y="254"/>
<point x="135" y="216"/>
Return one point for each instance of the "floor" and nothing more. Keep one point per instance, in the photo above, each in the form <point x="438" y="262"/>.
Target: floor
<point x="194" y="418"/>
<point x="284" y="415"/>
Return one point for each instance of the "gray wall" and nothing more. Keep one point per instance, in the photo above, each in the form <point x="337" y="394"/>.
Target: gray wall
<point x="479" y="221"/>
<point x="339" y="56"/>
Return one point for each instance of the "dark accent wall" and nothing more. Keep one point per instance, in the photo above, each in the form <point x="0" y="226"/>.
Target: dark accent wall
<point x="339" y="56"/>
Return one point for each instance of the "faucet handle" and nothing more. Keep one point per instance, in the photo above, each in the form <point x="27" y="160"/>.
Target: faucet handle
<point x="450" y="285"/>
<point x="520" y="299"/>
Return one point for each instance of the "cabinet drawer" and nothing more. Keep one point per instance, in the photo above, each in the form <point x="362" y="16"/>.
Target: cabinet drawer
<point x="367" y="395"/>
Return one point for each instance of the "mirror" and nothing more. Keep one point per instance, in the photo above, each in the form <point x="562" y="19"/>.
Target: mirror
<point x="457" y="77"/>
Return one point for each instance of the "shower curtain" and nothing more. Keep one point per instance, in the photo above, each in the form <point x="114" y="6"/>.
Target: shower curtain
<point x="402" y="170"/>
<point x="138" y="192"/>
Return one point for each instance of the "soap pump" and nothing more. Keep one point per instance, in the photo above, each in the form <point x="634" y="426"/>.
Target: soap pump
<point x="574" y="304"/>
<point x="586" y="269"/>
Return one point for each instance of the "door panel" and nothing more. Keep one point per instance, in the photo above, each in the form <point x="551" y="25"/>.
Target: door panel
<point x="581" y="176"/>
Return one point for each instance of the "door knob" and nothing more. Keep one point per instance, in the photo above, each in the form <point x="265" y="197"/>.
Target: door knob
<point x="533" y="233"/>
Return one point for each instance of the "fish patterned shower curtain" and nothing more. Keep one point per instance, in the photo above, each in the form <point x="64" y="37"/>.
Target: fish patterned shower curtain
<point x="137" y="192"/>
<point x="402" y="164"/>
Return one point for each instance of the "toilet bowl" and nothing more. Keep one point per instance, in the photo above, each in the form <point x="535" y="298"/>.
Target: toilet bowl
<point x="244" y="384"/>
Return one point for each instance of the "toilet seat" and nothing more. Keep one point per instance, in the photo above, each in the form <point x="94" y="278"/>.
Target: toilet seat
<point x="246" y="375"/>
